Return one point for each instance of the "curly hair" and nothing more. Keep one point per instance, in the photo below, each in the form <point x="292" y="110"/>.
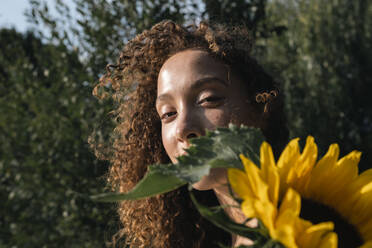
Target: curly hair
<point x="171" y="220"/>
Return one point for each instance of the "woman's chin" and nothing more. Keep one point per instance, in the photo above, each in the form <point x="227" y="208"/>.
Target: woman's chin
<point x="203" y="184"/>
<point x="216" y="178"/>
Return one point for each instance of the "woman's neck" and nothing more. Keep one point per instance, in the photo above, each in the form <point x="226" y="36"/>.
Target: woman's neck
<point x="235" y="214"/>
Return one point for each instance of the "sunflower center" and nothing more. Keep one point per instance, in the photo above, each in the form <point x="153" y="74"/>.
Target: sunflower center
<point x="348" y="236"/>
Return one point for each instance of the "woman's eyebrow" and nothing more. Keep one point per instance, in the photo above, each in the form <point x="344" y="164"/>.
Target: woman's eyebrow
<point x="162" y="97"/>
<point x="200" y="83"/>
<point x="207" y="80"/>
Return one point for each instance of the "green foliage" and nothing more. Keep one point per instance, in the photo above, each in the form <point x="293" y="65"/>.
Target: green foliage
<point x="153" y="183"/>
<point x="217" y="149"/>
<point x="48" y="112"/>
<point x="46" y="115"/>
<point x="98" y="29"/>
<point x="207" y="152"/>
<point x="250" y="13"/>
<point x="324" y="62"/>
<point x="218" y="217"/>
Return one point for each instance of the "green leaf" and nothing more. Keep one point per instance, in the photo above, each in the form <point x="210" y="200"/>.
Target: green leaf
<point x="219" y="218"/>
<point x="217" y="149"/>
<point x="229" y="143"/>
<point x="152" y="184"/>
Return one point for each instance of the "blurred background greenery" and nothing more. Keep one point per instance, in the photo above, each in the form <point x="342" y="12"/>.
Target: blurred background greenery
<point x="319" y="50"/>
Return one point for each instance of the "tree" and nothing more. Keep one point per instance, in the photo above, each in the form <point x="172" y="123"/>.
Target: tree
<point x="323" y="61"/>
<point x="46" y="115"/>
<point x="99" y="28"/>
<point x="250" y="13"/>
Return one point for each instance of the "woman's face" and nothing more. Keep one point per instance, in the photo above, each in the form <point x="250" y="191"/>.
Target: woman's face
<point x="197" y="92"/>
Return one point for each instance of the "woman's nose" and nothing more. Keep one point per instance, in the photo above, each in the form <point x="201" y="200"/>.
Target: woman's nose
<point x="188" y="127"/>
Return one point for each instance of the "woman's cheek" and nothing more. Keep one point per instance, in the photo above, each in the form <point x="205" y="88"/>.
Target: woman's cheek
<point x="218" y="117"/>
<point x="217" y="177"/>
<point x="168" y="133"/>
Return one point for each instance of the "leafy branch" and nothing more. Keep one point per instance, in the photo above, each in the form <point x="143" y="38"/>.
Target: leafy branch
<point x="219" y="148"/>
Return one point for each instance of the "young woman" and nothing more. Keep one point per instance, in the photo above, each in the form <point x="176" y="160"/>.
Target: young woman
<point x="171" y="84"/>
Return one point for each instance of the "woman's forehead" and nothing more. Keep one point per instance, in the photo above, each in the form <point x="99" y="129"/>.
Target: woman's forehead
<point x="189" y="67"/>
<point x="191" y="57"/>
<point x="191" y="63"/>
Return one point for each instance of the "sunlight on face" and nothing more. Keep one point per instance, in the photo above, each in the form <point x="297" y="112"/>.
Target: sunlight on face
<point x="196" y="92"/>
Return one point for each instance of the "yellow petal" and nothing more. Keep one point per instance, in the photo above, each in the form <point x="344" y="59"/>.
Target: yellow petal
<point x="285" y="229"/>
<point x="365" y="230"/>
<point x="367" y="245"/>
<point x="366" y="188"/>
<point x="291" y="202"/>
<point x="363" y="179"/>
<point x="350" y="164"/>
<point x="287" y="219"/>
<point x="301" y="170"/>
<point x="266" y="213"/>
<point x="329" y="241"/>
<point x="359" y="202"/>
<point x="248" y="209"/>
<point x="321" y="175"/>
<point x="257" y="185"/>
<point x="269" y="172"/>
<point x="266" y="159"/>
<point x="361" y="210"/>
<point x="345" y="171"/>
<point x="312" y="236"/>
<point x="287" y="159"/>
<point x="239" y="183"/>
<point x="341" y="176"/>
<point x="360" y="184"/>
<point x="274" y="183"/>
<point x="308" y="157"/>
<point x="321" y="227"/>
<point x="301" y="226"/>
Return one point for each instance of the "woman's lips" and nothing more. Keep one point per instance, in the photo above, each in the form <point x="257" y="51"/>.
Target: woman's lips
<point x="179" y="154"/>
<point x="182" y="154"/>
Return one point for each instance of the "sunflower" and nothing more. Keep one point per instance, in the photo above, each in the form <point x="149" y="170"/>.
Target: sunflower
<point x="297" y="191"/>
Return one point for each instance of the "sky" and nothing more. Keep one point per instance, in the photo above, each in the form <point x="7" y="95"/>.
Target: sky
<point x="12" y="14"/>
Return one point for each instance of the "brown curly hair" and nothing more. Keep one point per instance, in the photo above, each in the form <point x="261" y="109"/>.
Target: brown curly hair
<point x="170" y="220"/>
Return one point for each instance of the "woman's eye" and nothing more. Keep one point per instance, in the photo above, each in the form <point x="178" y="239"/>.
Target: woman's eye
<point x="211" y="101"/>
<point x="167" y="115"/>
